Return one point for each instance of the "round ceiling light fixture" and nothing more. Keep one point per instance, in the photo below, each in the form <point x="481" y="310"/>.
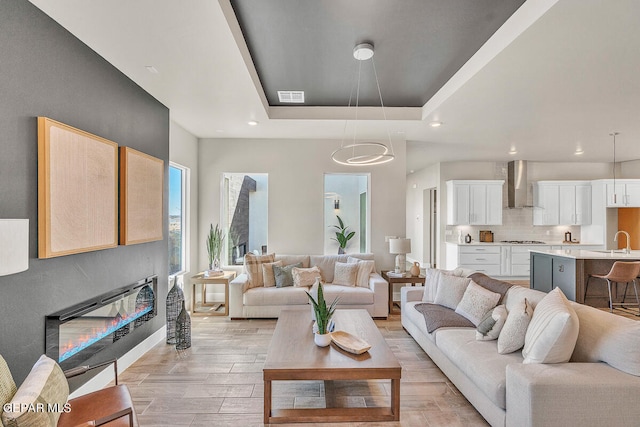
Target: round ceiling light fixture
<point x="364" y="153"/>
<point x="435" y="124"/>
<point x="252" y="123"/>
<point x="363" y="51"/>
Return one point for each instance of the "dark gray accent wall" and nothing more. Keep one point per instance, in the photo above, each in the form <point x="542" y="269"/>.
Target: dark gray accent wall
<point x="46" y="71"/>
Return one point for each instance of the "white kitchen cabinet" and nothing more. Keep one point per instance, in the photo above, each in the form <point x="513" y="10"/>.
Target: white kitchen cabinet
<point x="562" y="203"/>
<point x="497" y="260"/>
<point x="546" y="209"/>
<point x="627" y="193"/>
<point x="482" y="258"/>
<point x="474" y="202"/>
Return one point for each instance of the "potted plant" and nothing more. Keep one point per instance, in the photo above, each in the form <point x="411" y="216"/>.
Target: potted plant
<point x="342" y="236"/>
<point x="323" y="314"/>
<point x="214" y="247"/>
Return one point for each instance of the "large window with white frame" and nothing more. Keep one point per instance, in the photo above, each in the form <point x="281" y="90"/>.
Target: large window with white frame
<point x="178" y="177"/>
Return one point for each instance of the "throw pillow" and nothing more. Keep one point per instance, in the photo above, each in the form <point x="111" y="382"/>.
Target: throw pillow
<point x="253" y="267"/>
<point x="345" y="274"/>
<point x="365" y="268"/>
<point x="476" y="302"/>
<point x="494" y="285"/>
<point x="45" y="384"/>
<point x="305" y="276"/>
<point x="7" y="385"/>
<point x="515" y="328"/>
<point x="268" y="278"/>
<point x="450" y="290"/>
<point x="553" y="331"/>
<point x="491" y="324"/>
<point x="284" y="275"/>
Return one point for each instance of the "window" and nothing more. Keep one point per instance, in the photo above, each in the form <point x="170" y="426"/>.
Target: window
<point x="244" y="215"/>
<point x="346" y="195"/>
<point x="177" y="218"/>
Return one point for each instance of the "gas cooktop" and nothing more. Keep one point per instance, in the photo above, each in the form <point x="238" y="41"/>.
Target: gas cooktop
<point x="523" y="242"/>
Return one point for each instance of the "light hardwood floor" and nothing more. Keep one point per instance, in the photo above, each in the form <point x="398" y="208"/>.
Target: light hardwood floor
<point x="218" y="381"/>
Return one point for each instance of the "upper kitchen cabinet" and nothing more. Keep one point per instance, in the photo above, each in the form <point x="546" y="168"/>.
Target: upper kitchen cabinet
<point x="627" y="193"/>
<point x="476" y="202"/>
<point x="562" y="203"/>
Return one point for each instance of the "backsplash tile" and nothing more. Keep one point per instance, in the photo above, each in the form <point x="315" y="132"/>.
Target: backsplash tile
<point x="517" y="224"/>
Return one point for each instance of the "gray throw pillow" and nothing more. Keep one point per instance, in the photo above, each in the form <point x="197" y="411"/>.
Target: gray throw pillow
<point x="491" y="324"/>
<point x="284" y="275"/>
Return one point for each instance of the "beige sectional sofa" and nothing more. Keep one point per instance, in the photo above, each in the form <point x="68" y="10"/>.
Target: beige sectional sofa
<point x="599" y="386"/>
<point x="267" y="302"/>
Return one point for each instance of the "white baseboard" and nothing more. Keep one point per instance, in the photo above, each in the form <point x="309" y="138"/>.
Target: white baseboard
<point x="106" y="376"/>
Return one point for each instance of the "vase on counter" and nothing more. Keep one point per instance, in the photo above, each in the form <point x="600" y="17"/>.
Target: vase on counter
<point x="415" y="269"/>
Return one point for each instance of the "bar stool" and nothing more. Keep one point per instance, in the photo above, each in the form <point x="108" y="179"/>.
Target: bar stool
<point x="621" y="272"/>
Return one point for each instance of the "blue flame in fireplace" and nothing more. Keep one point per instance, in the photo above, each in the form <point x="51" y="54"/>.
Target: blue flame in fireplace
<point x="98" y="334"/>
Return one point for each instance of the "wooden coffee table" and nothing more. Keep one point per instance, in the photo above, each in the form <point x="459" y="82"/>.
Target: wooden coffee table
<point x="293" y="355"/>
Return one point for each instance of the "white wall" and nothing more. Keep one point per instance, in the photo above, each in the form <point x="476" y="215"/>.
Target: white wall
<point x="296" y="195"/>
<point x="629" y="170"/>
<point x="183" y="150"/>
<point x="417" y="183"/>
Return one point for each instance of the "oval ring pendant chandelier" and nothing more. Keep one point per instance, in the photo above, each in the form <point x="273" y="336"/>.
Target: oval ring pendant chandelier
<point x="364" y="153"/>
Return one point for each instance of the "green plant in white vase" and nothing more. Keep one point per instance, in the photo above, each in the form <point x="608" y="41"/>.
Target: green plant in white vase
<point x="342" y="236"/>
<point x="215" y="238"/>
<point x="323" y="314"/>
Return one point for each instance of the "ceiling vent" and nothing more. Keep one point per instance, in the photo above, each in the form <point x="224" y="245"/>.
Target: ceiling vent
<point x="291" y="96"/>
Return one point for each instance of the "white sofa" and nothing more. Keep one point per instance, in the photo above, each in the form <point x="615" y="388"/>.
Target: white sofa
<point x="587" y="391"/>
<point x="267" y="302"/>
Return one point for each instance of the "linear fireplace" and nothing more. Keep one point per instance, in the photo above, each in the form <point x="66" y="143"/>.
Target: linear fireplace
<point x="75" y="334"/>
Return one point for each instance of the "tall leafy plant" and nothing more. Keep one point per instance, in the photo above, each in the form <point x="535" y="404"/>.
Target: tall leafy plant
<point x="322" y="312"/>
<point x="215" y="238"/>
<point x="342" y="235"/>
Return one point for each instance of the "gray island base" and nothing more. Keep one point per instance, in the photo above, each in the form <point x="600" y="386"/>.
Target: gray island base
<point x="570" y="269"/>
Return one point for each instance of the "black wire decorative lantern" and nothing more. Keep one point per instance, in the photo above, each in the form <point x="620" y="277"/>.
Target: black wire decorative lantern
<point x="183" y="329"/>
<point x="175" y="302"/>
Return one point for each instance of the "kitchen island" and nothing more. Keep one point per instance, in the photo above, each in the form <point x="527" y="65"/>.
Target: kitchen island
<point x="570" y="269"/>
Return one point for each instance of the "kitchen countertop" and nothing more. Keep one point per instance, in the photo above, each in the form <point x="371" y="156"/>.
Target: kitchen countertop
<point x="524" y="244"/>
<point x="584" y="254"/>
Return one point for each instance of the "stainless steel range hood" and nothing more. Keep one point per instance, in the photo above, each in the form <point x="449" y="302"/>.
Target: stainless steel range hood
<point x="517" y="184"/>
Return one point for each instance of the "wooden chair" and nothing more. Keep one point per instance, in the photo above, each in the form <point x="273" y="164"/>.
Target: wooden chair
<point x="111" y="406"/>
<point x="621" y="272"/>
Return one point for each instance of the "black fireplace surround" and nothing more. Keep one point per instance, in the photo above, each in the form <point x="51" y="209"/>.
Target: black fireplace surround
<point x="75" y="334"/>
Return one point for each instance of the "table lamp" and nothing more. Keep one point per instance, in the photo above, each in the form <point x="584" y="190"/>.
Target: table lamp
<point x="400" y="247"/>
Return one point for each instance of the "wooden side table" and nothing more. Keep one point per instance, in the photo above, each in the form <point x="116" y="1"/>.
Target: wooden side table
<point x="393" y="280"/>
<point x="203" y="281"/>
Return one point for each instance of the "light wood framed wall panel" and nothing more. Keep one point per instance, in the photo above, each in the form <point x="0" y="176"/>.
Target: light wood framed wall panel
<point x="77" y="190"/>
<point x="141" y="197"/>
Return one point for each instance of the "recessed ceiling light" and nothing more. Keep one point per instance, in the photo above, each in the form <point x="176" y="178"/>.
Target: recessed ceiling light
<point x="291" y="96"/>
<point x="151" y="69"/>
<point x="435" y="124"/>
<point x="252" y="123"/>
<point x="579" y="151"/>
<point x="513" y="151"/>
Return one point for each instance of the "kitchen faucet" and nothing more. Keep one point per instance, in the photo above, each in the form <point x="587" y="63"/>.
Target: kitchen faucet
<point x="628" y="248"/>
